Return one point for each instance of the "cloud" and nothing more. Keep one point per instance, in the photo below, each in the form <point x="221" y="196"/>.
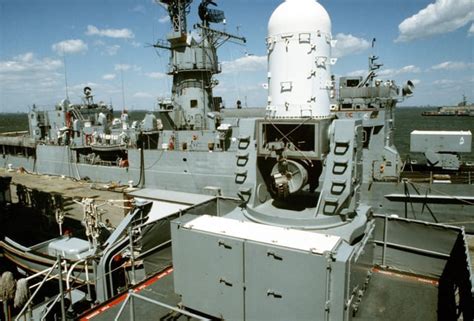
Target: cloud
<point x="243" y="64"/>
<point x="69" y="46"/>
<point x="445" y="83"/>
<point x="81" y="86"/>
<point x="142" y="95"/>
<point x="395" y="72"/>
<point x="112" y="50"/>
<point x="164" y="19"/>
<point x="28" y="79"/>
<point x="357" y="73"/>
<point x="123" y="67"/>
<point x="28" y="63"/>
<point x="349" y="44"/>
<point x="226" y="87"/>
<point x="470" y="32"/>
<point x="126" y="67"/>
<point x="109" y="50"/>
<point x="416" y="82"/>
<point x="139" y="9"/>
<point x="452" y="65"/>
<point x="111" y="33"/>
<point x="390" y="72"/>
<point x="250" y="93"/>
<point x="463" y="85"/>
<point x="98" y="89"/>
<point x="135" y="44"/>
<point x="156" y="75"/>
<point x="440" y="17"/>
<point x="108" y="76"/>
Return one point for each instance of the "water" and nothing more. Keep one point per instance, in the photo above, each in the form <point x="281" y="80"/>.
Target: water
<point x="13" y="122"/>
<point x="407" y="119"/>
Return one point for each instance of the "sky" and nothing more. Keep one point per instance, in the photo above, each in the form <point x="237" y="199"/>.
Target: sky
<point x="106" y="44"/>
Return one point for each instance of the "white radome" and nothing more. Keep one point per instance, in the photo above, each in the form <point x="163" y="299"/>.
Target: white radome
<point x="299" y="15"/>
<point x="299" y="59"/>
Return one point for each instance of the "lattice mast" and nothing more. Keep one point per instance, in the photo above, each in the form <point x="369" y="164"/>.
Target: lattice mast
<point x="193" y="62"/>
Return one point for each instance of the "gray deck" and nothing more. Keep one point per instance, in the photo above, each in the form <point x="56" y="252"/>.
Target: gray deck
<point x="389" y="297"/>
<point x="397" y="297"/>
<point x="161" y="290"/>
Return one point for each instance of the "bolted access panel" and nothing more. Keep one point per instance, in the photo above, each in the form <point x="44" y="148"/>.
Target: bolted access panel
<point x="284" y="284"/>
<point x="208" y="272"/>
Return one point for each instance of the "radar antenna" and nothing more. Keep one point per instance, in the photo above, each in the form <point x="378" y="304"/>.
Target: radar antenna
<point x="210" y="15"/>
<point x="373" y="67"/>
<point x="217" y="38"/>
<point x="88" y="97"/>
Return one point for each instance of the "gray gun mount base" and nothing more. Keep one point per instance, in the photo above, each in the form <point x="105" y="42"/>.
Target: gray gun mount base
<point x="248" y="271"/>
<point x="334" y="204"/>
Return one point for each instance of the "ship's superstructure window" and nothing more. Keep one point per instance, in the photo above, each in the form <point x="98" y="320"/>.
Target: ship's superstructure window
<point x="346" y="106"/>
<point x="302" y="136"/>
<point x="353" y="82"/>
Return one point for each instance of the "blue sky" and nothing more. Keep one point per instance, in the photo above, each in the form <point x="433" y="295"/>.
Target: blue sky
<point x="428" y="41"/>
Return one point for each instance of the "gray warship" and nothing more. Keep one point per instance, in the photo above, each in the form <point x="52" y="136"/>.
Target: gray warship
<point x="292" y="212"/>
<point x="463" y="108"/>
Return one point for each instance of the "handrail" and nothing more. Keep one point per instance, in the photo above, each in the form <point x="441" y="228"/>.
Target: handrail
<point x="51" y="305"/>
<point x="39" y="273"/>
<point x="52" y="277"/>
<point x="36" y="292"/>
<point x="132" y="294"/>
<point x="71" y="269"/>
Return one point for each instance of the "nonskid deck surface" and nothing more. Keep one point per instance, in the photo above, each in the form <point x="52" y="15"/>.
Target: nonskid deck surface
<point x="390" y="296"/>
<point x="394" y="296"/>
<point x="159" y="288"/>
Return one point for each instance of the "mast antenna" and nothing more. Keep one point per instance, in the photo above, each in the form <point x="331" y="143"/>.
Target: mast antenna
<point x="65" y="74"/>
<point x="123" y="89"/>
